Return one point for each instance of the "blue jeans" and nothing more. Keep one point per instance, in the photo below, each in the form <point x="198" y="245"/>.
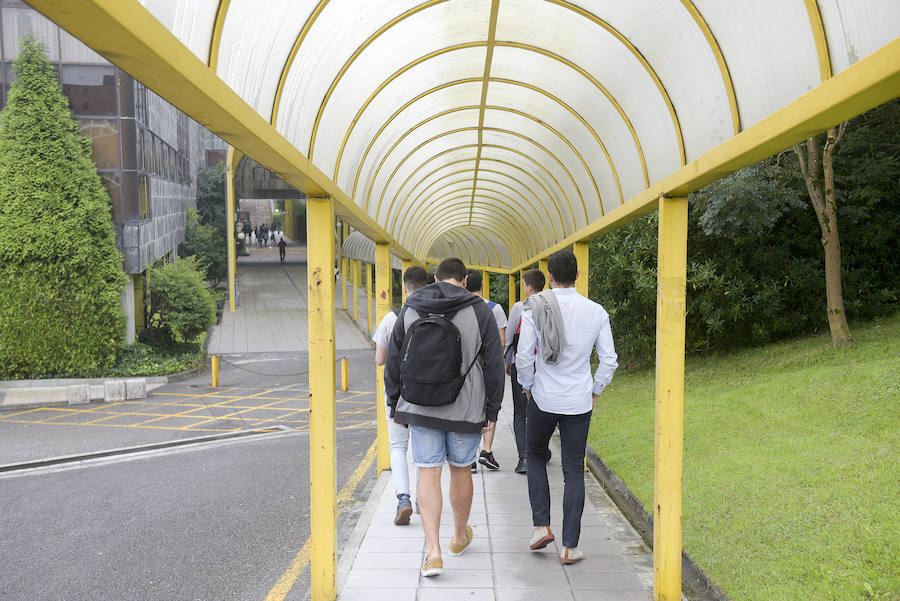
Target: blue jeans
<point x="573" y="431"/>
<point x="430" y="447"/>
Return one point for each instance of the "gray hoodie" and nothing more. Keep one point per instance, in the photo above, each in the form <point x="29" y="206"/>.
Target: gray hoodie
<point x="482" y="391"/>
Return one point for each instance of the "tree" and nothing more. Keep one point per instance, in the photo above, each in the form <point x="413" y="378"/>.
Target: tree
<point x="61" y="272"/>
<point x="821" y="190"/>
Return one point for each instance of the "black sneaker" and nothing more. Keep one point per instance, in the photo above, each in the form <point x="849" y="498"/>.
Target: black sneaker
<point x="404" y="510"/>
<point x="487" y="460"/>
<point x="475" y="468"/>
<point x="520" y="467"/>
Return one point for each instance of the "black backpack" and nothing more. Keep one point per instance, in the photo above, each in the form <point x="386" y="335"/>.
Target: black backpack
<point x="431" y="360"/>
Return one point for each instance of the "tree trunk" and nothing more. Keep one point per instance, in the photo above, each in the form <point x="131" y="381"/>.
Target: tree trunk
<point x="822" y="198"/>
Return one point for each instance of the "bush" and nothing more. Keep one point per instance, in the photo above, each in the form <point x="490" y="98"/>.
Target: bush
<point x="207" y="245"/>
<point x="60" y="270"/>
<point x="181" y="307"/>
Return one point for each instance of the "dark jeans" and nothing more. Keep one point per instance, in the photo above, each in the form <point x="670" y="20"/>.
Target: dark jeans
<point x="573" y="431"/>
<point x="520" y="403"/>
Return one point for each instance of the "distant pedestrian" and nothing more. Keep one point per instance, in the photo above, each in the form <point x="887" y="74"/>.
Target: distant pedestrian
<point x="444" y="378"/>
<point x="398" y="435"/>
<point x="281" y="246"/>
<point x="559" y="330"/>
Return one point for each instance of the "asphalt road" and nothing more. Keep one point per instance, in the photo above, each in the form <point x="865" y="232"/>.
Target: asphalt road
<point x="213" y="520"/>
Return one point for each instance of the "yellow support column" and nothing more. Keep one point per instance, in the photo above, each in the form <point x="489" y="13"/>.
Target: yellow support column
<point x="368" y="297"/>
<point x="667" y="475"/>
<point x="542" y="265"/>
<point x="322" y="478"/>
<point x="512" y="292"/>
<point x="581" y="250"/>
<point x="383" y="283"/>
<point x="486" y="284"/>
<point x="354" y="270"/>
<point x="522" y="284"/>
<point x="287" y="219"/>
<point x="405" y="264"/>
<point x="233" y="157"/>
<point x="345" y="275"/>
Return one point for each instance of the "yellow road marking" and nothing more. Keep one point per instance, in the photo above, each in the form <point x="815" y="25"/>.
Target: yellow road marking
<point x="287" y="580"/>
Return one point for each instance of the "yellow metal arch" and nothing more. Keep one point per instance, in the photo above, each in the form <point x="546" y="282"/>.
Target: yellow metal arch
<point x="469" y="246"/>
<point x="461" y="221"/>
<point x="526" y="200"/>
<point x="818" y="31"/>
<point x="437" y="195"/>
<point x="493" y="129"/>
<point x="218" y="25"/>
<point x="468" y="234"/>
<point x="501" y="211"/>
<point x="286" y="69"/>
<point x="531" y="87"/>
<point x="499" y="147"/>
<point x="640" y="57"/>
<point x="481" y="128"/>
<point x="720" y="60"/>
<point x="481" y="239"/>
<point x="549" y="196"/>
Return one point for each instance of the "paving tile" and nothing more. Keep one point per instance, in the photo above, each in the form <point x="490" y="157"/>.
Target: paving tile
<point x="472" y="559"/>
<point x="374" y="544"/>
<point x="384" y="594"/>
<point x="387" y="561"/>
<point x="610" y="581"/>
<point x="475" y="594"/>
<point x="526" y="578"/>
<point x="534" y="594"/>
<point x="383" y="578"/>
<point x="460" y="579"/>
<point x="595" y="595"/>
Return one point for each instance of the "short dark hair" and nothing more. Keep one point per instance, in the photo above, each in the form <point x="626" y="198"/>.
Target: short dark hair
<point x="451" y="269"/>
<point x="535" y="279"/>
<point x="473" y="281"/>
<point x="563" y="266"/>
<point x="414" y="278"/>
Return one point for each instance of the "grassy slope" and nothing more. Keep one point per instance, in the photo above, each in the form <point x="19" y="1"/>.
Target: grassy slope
<point x="791" y="478"/>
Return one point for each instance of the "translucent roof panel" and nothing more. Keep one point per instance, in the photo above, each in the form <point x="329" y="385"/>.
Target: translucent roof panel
<point x="493" y="129"/>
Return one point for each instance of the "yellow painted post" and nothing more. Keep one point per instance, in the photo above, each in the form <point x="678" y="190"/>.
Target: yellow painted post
<point x="345" y="275"/>
<point x="233" y="157"/>
<point x="287" y="219"/>
<point x="667" y="475"/>
<point x="512" y="291"/>
<point x="368" y="296"/>
<point x="345" y="374"/>
<point x="383" y="283"/>
<point x="405" y="264"/>
<point x="542" y="265"/>
<point x="581" y="250"/>
<point x="486" y="284"/>
<point x="522" y="284"/>
<point x="354" y="269"/>
<point x="214" y="367"/>
<point x="320" y="307"/>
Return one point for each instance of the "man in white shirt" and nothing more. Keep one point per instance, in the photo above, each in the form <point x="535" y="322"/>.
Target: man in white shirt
<point x="553" y="364"/>
<point x="475" y="285"/>
<point x="398" y="435"/>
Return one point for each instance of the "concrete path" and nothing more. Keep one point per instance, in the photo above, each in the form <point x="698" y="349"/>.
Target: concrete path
<point x="271" y="311"/>
<point x="382" y="561"/>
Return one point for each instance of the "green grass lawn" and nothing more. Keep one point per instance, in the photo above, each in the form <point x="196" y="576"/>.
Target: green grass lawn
<point x="791" y="471"/>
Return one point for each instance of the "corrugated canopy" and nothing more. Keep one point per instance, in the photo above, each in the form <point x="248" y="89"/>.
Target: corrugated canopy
<point x="359" y="248"/>
<point x="493" y="130"/>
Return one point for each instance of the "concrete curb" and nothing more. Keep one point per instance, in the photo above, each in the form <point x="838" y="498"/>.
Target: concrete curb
<point x="694" y="581"/>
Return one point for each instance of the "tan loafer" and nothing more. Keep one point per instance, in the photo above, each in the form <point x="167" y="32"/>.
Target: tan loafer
<point x="569" y="556"/>
<point x="458" y="549"/>
<point x="433" y="566"/>
<point x="541" y="538"/>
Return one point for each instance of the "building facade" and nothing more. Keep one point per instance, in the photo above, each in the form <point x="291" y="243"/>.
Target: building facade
<point x="146" y="151"/>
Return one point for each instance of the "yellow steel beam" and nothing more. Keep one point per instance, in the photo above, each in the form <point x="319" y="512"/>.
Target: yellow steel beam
<point x="286" y="69"/>
<point x="218" y="25"/>
<point x="459" y="222"/>
<point x="128" y="35"/>
<point x="405" y="264"/>
<point x="342" y="266"/>
<point x="542" y="265"/>
<point x="667" y="472"/>
<point x="345" y="267"/>
<point x="322" y="444"/>
<point x="383" y="285"/>
<point x="511" y="293"/>
<point x="818" y="31"/>
<point x="233" y="157"/>
<point x="354" y="268"/>
<point x="581" y="251"/>
<point x="864" y="85"/>
<point x="486" y="284"/>
<point x="369" y="307"/>
<point x="488" y="57"/>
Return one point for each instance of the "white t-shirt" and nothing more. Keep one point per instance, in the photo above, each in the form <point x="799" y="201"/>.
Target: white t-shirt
<point x="499" y="315"/>
<point x="382" y="334"/>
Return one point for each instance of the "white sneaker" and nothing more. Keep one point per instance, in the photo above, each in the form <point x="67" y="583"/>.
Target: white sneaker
<point x="570" y="556"/>
<point x="541" y="538"/>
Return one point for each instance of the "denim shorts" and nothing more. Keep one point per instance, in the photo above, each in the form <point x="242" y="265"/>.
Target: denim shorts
<point x="430" y="447"/>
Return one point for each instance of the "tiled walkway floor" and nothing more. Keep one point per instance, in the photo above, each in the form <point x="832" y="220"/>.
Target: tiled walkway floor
<point x="382" y="561"/>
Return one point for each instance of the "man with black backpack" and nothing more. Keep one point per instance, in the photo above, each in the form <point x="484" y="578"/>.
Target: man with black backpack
<point x="444" y="378"/>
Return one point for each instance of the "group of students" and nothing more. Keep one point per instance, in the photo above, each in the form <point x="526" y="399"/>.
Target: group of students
<point x="446" y="353"/>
